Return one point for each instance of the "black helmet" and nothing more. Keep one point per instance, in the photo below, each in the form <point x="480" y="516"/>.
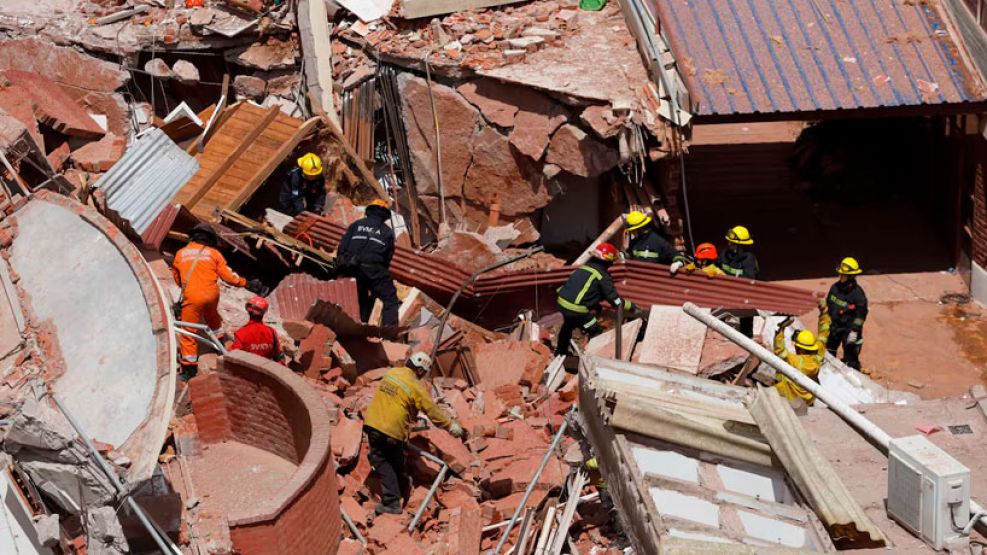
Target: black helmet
<point x="205" y="234"/>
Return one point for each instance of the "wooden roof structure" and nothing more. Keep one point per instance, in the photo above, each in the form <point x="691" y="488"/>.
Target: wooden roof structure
<point x="246" y="146"/>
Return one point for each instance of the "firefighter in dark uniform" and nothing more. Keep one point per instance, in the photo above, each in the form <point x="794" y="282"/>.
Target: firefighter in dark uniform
<point x="305" y="187"/>
<point x="365" y="252"/>
<point x="737" y="261"/>
<point x="847" y="305"/>
<point x="647" y="244"/>
<point x="582" y="293"/>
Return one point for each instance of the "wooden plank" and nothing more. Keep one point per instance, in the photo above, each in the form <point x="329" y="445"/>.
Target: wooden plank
<point x="214" y="122"/>
<point x="231" y="159"/>
<point x="673" y="339"/>
<point x="250" y="187"/>
<point x="365" y="174"/>
<point x="411" y="9"/>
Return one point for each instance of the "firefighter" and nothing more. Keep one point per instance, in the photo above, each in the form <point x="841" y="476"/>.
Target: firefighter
<point x="399" y="397"/>
<point x="304" y="188"/>
<point x="582" y="293"/>
<point x="257" y="337"/>
<point x="808" y="357"/>
<point x="365" y="252"/>
<point x="706" y="261"/>
<point x="848" y="309"/>
<point x="646" y="243"/>
<point x="737" y="261"/>
<point x="196" y="268"/>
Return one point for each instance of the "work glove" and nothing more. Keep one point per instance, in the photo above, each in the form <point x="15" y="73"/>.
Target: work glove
<point x="456" y="430"/>
<point x="786" y="322"/>
<point x="675" y="267"/>
<point x="257" y="287"/>
<point x="853" y="336"/>
<point x="822" y="304"/>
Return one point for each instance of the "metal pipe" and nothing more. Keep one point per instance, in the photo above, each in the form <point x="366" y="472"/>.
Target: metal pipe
<point x="853" y="417"/>
<point x="464" y="285"/>
<point x="164" y="544"/>
<point x="431" y="492"/>
<point x="844" y="411"/>
<point x="534" y="481"/>
<point x="212" y="340"/>
<point x="618" y="352"/>
<point x="352" y="527"/>
<point x="426" y="454"/>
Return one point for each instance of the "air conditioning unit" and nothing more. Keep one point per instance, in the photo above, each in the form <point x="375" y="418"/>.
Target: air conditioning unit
<point x="928" y="491"/>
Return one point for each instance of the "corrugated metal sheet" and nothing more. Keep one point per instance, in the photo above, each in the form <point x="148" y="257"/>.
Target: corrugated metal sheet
<point x="642" y="283"/>
<point x="764" y="56"/>
<point x="148" y="175"/>
<point x="296" y="294"/>
<point x="844" y="518"/>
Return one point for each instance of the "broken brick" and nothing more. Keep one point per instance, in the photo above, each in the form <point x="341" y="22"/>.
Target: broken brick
<point x="465" y="529"/>
<point x="579" y="154"/>
<point x="505" y="362"/>
<point x="315" y="351"/>
<point x="99" y="156"/>
<point x="346" y="438"/>
<point x="54" y="107"/>
<point x="449" y="449"/>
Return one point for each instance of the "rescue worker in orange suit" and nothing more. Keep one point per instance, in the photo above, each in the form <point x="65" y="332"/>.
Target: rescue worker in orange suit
<point x="581" y="295"/>
<point x="365" y="251"/>
<point x="304" y="188"/>
<point x="808" y="357"/>
<point x="399" y="397"/>
<point x="706" y="261"/>
<point x="647" y="244"/>
<point x="847" y="305"/>
<point x="196" y="268"/>
<point x="257" y="337"/>
<point x="737" y="261"/>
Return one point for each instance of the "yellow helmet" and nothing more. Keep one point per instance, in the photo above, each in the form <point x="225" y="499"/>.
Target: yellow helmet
<point x="380" y="202"/>
<point x="739" y="235"/>
<point x="310" y="164"/>
<point x="849" y="267"/>
<point x="806" y="341"/>
<point x="636" y="220"/>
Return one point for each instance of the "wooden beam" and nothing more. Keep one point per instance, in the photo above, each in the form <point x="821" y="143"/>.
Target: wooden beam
<point x="411" y="9"/>
<point x="233" y="156"/>
<point x="313" y="30"/>
<point x="337" y="133"/>
<point x="213" y="122"/>
<point x="607" y="234"/>
<point x="284" y="150"/>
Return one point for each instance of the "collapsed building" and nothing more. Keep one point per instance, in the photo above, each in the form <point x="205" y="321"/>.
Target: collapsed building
<point x="508" y="136"/>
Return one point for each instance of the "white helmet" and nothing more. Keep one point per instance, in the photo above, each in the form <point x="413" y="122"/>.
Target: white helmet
<point x="421" y="361"/>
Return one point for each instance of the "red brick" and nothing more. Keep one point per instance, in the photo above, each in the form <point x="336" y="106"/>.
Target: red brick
<point x="507" y="362"/>
<point x="54" y="107"/>
<point x="396" y="353"/>
<point x="465" y="529"/>
<point x="368" y="378"/>
<point x="315" y="351"/>
<point x="62" y="64"/>
<point x="99" y="156"/>
<point x="347" y="436"/>
<point x="356" y="512"/>
<point x="516" y="476"/>
<point x="386" y="528"/>
<point x="350" y="547"/>
<point x="449" y="449"/>
<point x="297" y="330"/>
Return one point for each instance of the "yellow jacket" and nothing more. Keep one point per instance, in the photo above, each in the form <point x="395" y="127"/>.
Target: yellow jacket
<point x="399" y="398"/>
<point x="710" y="269"/>
<point x="809" y="364"/>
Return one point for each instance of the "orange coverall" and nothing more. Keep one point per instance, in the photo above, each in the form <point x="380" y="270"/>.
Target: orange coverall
<point x="202" y="292"/>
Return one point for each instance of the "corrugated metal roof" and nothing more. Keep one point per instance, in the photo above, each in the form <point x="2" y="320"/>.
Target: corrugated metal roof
<point x="819" y="483"/>
<point x="145" y="179"/>
<point x="764" y="56"/>
<point x="642" y="283"/>
<point x="296" y="294"/>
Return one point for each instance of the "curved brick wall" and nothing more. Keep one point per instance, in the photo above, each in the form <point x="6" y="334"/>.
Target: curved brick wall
<point x="255" y="401"/>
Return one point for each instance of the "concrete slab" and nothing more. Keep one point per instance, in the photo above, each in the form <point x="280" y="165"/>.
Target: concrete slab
<point x="605" y="344"/>
<point x="672" y="340"/>
<point x="11" y="317"/>
<point x="111" y="324"/>
<point x="17" y="532"/>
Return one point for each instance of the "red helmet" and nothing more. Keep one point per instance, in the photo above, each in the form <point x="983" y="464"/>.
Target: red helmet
<point x="706" y="251"/>
<point x="257" y="306"/>
<point x="606" y="252"/>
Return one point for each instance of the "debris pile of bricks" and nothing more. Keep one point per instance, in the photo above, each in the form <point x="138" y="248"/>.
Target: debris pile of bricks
<point x="481" y="39"/>
<point x="510" y="414"/>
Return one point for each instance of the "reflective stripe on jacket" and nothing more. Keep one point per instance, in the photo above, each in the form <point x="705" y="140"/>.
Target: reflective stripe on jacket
<point x="587" y="287"/>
